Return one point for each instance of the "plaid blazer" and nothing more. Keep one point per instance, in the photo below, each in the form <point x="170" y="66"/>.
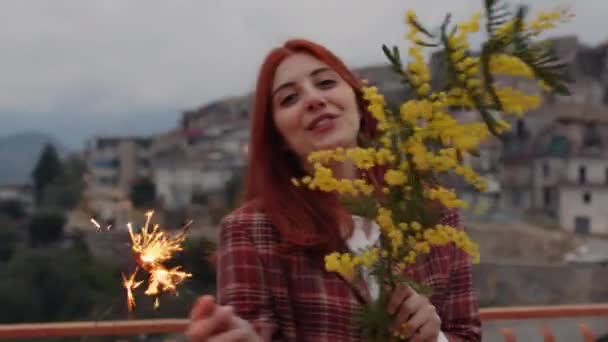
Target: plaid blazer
<point x="290" y="297"/>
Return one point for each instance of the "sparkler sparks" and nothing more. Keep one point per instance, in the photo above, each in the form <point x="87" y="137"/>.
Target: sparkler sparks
<point x="130" y="284"/>
<point x="152" y="246"/>
<point x="108" y="227"/>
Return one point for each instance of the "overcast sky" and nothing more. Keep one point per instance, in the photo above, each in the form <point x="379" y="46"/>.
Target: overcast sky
<point x="77" y="68"/>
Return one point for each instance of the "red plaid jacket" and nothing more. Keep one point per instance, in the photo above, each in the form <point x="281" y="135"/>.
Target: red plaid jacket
<point x="290" y="297"/>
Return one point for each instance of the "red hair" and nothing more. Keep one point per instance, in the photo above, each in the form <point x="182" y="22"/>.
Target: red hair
<point x="304" y="218"/>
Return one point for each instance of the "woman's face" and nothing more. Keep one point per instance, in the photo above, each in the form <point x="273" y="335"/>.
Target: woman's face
<point x="313" y="107"/>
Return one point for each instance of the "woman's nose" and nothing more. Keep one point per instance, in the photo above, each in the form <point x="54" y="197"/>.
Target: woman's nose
<point x="314" y="104"/>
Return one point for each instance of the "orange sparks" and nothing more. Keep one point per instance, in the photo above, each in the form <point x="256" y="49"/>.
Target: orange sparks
<point x="130" y="284"/>
<point x="153" y="246"/>
<point x="98" y="226"/>
<point x="163" y="280"/>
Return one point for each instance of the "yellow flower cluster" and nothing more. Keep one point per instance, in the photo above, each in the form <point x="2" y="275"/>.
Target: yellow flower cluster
<point x="442" y="235"/>
<point x="472" y="25"/>
<point x="411" y="111"/>
<point x="548" y="19"/>
<point x="324" y="180"/>
<point x="467" y="66"/>
<point x="376" y="106"/>
<point x="395" y="177"/>
<point x="364" y="158"/>
<point x="413" y="237"/>
<point x="446" y="197"/>
<point x="423" y="137"/>
<point x="509" y="65"/>
<point x="543" y="21"/>
<point x="471" y="177"/>
<point x="346" y="263"/>
<point x="420" y="74"/>
<point x="517" y="102"/>
<point x="385" y="220"/>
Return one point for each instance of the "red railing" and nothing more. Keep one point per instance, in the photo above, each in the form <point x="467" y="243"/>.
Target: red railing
<point x="159" y="326"/>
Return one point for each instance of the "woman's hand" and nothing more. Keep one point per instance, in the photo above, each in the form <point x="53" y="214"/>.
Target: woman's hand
<point x="211" y="322"/>
<point x="414" y="312"/>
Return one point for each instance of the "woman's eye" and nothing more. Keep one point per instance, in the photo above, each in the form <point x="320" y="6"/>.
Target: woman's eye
<point x="289" y="99"/>
<point x="326" y="83"/>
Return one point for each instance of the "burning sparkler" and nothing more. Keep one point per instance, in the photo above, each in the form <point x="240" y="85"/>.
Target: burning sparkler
<point x="153" y="246"/>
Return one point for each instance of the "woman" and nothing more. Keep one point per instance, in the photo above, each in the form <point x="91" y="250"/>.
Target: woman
<point x="271" y="280"/>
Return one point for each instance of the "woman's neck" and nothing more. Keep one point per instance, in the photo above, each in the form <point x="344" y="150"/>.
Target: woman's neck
<point x="345" y="169"/>
<point x="340" y="170"/>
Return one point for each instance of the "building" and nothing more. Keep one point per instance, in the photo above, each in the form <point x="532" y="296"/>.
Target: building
<point x="570" y="171"/>
<point x="197" y="159"/>
<point x="114" y="164"/>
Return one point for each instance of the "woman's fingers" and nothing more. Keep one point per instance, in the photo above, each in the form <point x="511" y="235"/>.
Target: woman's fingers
<point x="429" y="332"/>
<point x="203" y="307"/>
<point x="413" y="314"/>
<point x="216" y="323"/>
<point x="401" y="293"/>
<point x="419" y="319"/>
<point x="414" y="303"/>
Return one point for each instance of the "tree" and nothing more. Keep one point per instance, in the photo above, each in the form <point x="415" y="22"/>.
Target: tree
<point x="47" y="169"/>
<point x="20" y="301"/>
<point x="55" y="284"/>
<point x="12" y="208"/>
<point x="11" y="237"/>
<point x="143" y="193"/>
<point x="66" y="192"/>
<point x="46" y="228"/>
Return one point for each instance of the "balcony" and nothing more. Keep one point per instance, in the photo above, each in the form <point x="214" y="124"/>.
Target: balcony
<point x="500" y="324"/>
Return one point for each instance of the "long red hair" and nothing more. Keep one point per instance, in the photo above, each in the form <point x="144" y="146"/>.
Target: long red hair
<point x="304" y="218"/>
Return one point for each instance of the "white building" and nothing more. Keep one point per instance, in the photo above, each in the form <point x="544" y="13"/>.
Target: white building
<point x="570" y="173"/>
<point x="178" y="184"/>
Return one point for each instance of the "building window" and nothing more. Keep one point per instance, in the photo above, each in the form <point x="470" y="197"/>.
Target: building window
<point x="107" y="163"/>
<point x="582" y="224"/>
<point x="145" y="163"/>
<point x="582" y="175"/>
<point x="587" y="197"/>
<point x="545" y="169"/>
<point x="516" y="197"/>
<point x="107" y="181"/>
<point x="546" y="196"/>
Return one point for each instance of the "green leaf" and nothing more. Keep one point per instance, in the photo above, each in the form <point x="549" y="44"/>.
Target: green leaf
<point x="361" y="206"/>
<point x="421" y="28"/>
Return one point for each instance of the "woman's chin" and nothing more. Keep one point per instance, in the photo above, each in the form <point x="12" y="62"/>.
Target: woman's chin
<point x="330" y="144"/>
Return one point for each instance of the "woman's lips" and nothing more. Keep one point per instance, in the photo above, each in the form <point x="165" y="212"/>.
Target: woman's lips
<point x="321" y="122"/>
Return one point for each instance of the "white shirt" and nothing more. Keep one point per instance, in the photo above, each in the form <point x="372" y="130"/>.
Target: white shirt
<point x="358" y="242"/>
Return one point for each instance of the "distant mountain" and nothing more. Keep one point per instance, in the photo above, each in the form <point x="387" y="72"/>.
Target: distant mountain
<point x="19" y="154"/>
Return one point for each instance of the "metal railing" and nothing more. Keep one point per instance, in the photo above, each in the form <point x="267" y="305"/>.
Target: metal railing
<point x="160" y="326"/>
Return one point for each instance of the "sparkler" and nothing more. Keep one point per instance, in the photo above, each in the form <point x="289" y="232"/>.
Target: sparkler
<point x="152" y="246"/>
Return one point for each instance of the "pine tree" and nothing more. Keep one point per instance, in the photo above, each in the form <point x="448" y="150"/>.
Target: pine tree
<point x="47" y="170"/>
